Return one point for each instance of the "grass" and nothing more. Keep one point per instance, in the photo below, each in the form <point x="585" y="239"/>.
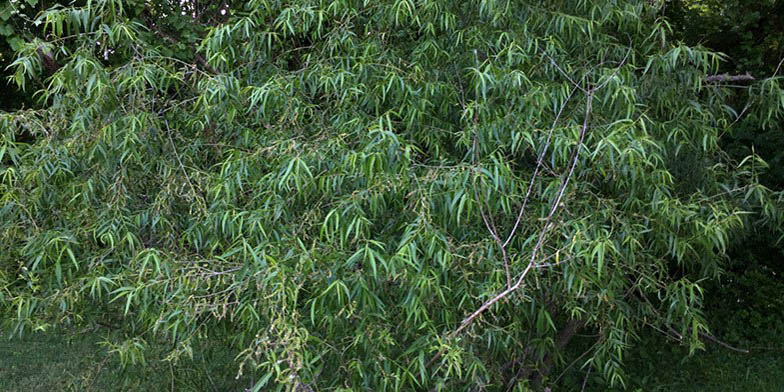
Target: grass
<point x="70" y="361"/>
<point x="715" y="369"/>
<point x="75" y="361"/>
<point x="657" y="365"/>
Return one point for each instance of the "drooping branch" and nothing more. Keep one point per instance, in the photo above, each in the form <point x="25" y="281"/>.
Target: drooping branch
<point x="723" y="344"/>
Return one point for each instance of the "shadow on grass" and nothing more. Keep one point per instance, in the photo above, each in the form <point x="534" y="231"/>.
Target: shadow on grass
<point x="70" y="361"/>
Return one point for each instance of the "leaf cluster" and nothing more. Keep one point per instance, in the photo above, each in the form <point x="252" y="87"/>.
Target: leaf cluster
<point x="333" y="187"/>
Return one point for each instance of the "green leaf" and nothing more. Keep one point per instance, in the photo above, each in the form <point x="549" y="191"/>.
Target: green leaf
<point x="6" y="12"/>
<point x="6" y="29"/>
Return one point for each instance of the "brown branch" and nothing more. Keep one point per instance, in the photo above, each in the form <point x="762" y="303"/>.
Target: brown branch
<point x="199" y="59"/>
<point x="50" y="64"/>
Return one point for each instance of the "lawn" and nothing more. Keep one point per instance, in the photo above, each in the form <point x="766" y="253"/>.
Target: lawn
<point x="76" y="361"/>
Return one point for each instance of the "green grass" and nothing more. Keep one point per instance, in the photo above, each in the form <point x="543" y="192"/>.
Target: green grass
<point x="49" y="362"/>
<point x="70" y="361"/>
<point x="715" y="369"/>
<point x="660" y="366"/>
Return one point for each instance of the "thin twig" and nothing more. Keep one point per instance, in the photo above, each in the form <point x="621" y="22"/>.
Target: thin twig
<point x="489" y="223"/>
<point x="556" y="203"/>
<point x="539" y="162"/>
<point x="778" y="67"/>
<point x="617" y="69"/>
<point x="182" y="167"/>
<point x="540" y="241"/>
<point x="575" y="361"/>
<point x="723" y="344"/>
<point x="585" y="380"/>
<point x="577" y="86"/>
<point x="746" y="107"/>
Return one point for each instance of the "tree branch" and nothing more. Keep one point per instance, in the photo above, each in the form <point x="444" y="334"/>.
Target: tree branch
<point x="539" y="162"/>
<point x="50" y="64"/>
<point x="540" y="241"/>
<point x="728" y="78"/>
<point x="554" y="207"/>
<point x="489" y="223"/>
<point x="723" y="344"/>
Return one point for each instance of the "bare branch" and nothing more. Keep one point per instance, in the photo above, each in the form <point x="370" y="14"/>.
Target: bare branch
<point x="540" y="241"/>
<point x="575" y="84"/>
<point x="539" y="162"/>
<point x="617" y="69"/>
<point x="489" y="223"/>
<point x="554" y="207"/>
<point x="778" y="67"/>
<point x="728" y="78"/>
<point x="196" y="195"/>
<point x="723" y="344"/>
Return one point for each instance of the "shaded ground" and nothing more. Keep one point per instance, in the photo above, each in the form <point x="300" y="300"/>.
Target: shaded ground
<point x="76" y="362"/>
<point x="715" y="369"/>
<point x="70" y="362"/>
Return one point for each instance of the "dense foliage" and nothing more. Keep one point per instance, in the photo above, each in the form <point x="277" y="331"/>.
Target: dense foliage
<point x="750" y="33"/>
<point x="387" y="195"/>
<point x="751" y="36"/>
<point x="14" y="22"/>
<point x="753" y="41"/>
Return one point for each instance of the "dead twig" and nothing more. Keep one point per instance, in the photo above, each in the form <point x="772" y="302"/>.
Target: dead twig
<point x="728" y="78"/>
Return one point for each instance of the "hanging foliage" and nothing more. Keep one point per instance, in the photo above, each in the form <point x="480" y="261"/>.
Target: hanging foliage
<point x="390" y="195"/>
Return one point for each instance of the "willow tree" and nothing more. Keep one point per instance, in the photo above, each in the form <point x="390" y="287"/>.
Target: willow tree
<point x="386" y="195"/>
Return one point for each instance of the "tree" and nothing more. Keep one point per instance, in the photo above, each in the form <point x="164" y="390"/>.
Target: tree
<point x="754" y="45"/>
<point x="394" y="195"/>
<point x="747" y="32"/>
<point x="15" y="20"/>
<point x="753" y="41"/>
